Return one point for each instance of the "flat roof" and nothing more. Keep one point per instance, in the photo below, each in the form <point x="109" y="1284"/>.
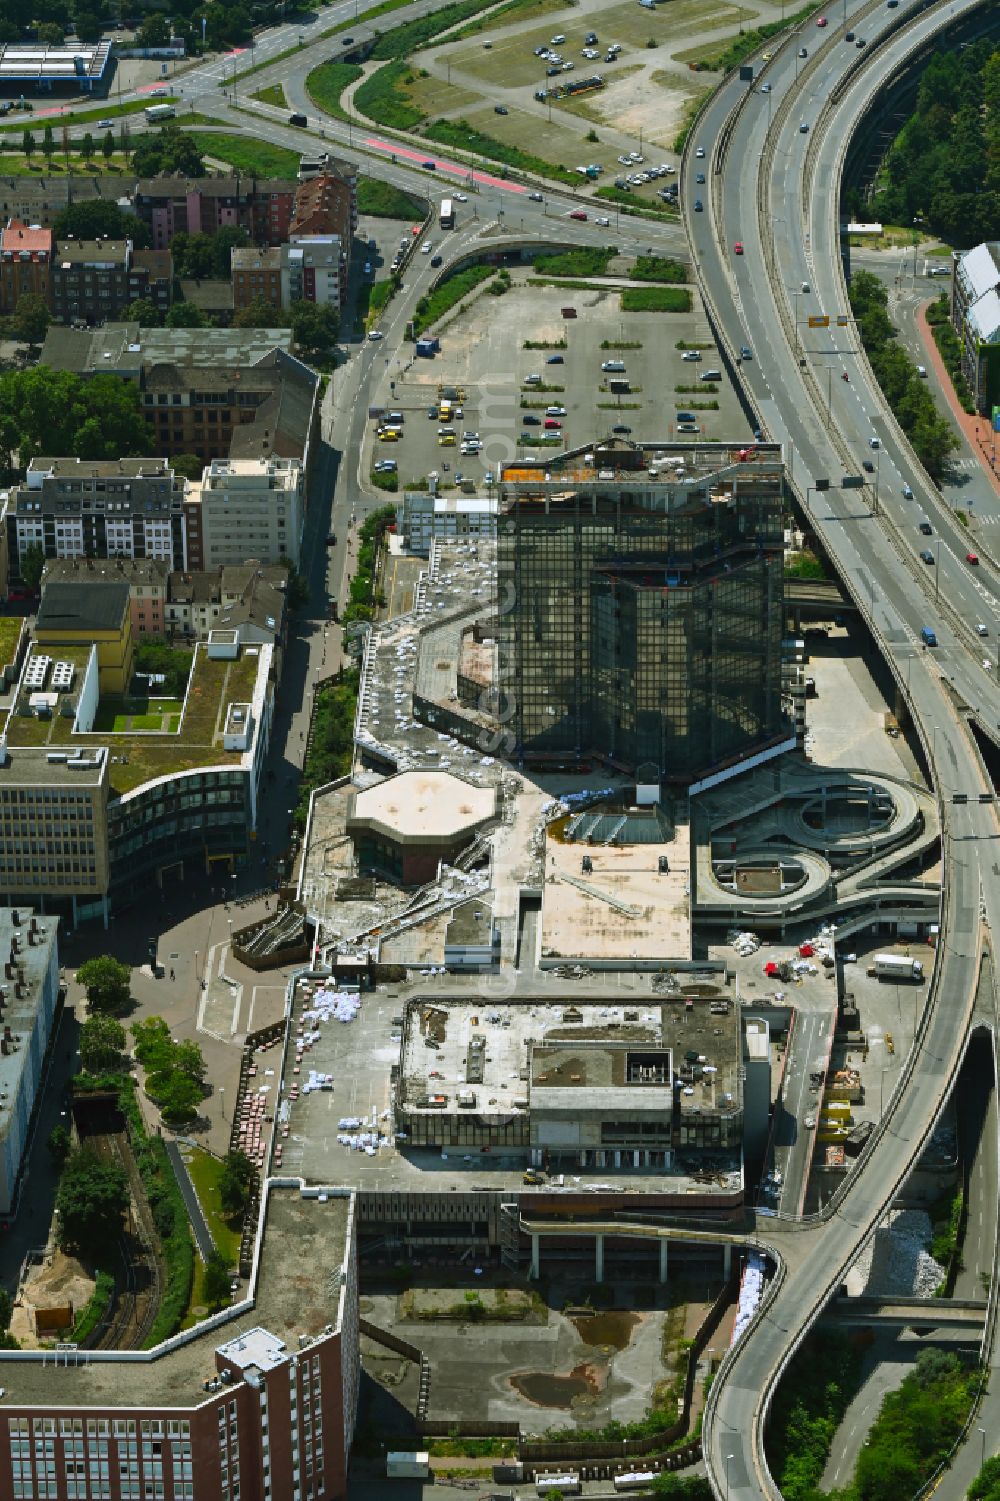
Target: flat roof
<point x="34" y="62"/>
<point x="33" y="959"/>
<point x="35" y="766"/>
<point x="429" y="807"/>
<point x="623" y="908"/>
<point x="193" y="737"/>
<point x="304" y="1241"/>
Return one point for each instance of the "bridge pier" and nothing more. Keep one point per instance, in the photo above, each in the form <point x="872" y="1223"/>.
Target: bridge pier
<point x="598" y="1258"/>
<point x="664" y="1258"/>
<point x="534" y="1272"/>
<point x="727" y="1261"/>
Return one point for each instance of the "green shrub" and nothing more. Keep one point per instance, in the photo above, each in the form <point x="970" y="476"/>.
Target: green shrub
<point x="587" y="260"/>
<point x="447" y="295"/>
<point x="656" y="300"/>
<point x="95" y="1308"/>
<point x="381" y="97"/>
<point x="412" y="35"/>
<point x="462" y="136"/>
<point x="741" y="47"/>
<point x="658" y="268"/>
<point x="380" y="200"/>
<point x="325" y="84"/>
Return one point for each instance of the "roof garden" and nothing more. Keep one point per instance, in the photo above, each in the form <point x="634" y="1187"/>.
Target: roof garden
<point x="155" y="736"/>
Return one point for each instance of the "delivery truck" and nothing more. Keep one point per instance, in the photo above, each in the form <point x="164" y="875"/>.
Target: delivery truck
<point x="896" y="967"/>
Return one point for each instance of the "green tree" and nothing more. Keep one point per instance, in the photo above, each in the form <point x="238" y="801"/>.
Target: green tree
<point x="48" y="144"/>
<point x="32" y="564"/>
<point x="51" y="35"/>
<point x="215" y="1282"/>
<point x="108" y="145"/>
<point x="177" y="1096"/>
<point x="102" y="1045"/>
<point x="236" y="1184"/>
<point x="60" y="1144"/>
<point x="97" y="218"/>
<point x="108" y="983"/>
<point x="7" y="1340"/>
<point x="188" y="1059"/>
<point x="28" y="142"/>
<point x="55" y="411"/>
<point x="145" y="313"/>
<point x="31" y="318"/>
<point x="154" y="32"/>
<point x="153" y="1045"/>
<point x="231" y="237"/>
<point x="188" y="464"/>
<point x="169" y="150"/>
<point x="91" y="1202"/>
<point x="186" y="315"/>
<point x="260" y="314"/>
<point x="315" y="326"/>
<point x="89" y="25"/>
<point x="87" y="147"/>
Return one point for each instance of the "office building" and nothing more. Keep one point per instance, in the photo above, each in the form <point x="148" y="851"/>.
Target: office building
<point x="975" y="313"/>
<point x="90" y="618"/>
<point x="54" y="826"/>
<point x="146" y="579"/>
<point x="25" y="263"/>
<point x="212" y="392"/>
<point x="203" y="205"/>
<point x="423" y="518"/>
<point x="29" y="990"/>
<point x="247" y="508"/>
<point x="99" y="508"/>
<point x="643" y="619"/>
<point x="259" y="1408"/>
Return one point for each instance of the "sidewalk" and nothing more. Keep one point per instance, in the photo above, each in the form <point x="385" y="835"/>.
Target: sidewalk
<point x="977" y="430"/>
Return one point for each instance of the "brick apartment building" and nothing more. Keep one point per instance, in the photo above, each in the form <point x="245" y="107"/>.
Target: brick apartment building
<point x="256" y="273"/>
<point x="25" y="263"/>
<point x="203" y="205"/>
<point x="94" y="281"/>
<point x="310" y="268"/>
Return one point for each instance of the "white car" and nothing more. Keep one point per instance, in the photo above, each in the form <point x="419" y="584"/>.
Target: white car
<point x="461" y="197"/>
<point x="105" y="124"/>
<point x="636" y="156"/>
<point x="558" y="40"/>
<point x="555" y="411"/>
<point x="700" y="151"/>
<point x="981" y="629"/>
<point x="625" y="161"/>
<point x="605" y="222"/>
<point x="374" y="334"/>
<point x="691" y="354"/>
<point x="426" y="249"/>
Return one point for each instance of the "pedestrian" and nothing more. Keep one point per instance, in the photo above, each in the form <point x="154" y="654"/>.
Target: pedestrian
<point x="171" y="973"/>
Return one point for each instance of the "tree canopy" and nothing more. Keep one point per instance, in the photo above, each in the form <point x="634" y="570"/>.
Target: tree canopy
<point x="261" y="314"/>
<point x="215" y="1282"/>
<point x="314" y="326"/>
<point x="168" y="150"/>
<point x="91" y="1201"/>
<point x="944" y="166"/>
<point x="31" y="318"/>
<point x="175" y="1071"/>
<point x="108" y="983"/>
<point x="90" y="218"/>
<point x="236" y="1183"/>
<point x="55" y="411"/>
<point x="204" y="255"/>
<point x="102" y="1045"/>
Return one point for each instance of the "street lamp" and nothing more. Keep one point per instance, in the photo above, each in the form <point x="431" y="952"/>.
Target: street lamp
<point x="728" y="1458"/>
<point x="982" y="1435"/>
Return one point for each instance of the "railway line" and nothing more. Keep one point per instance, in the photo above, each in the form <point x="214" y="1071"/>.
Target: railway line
<point x="138" y="1274"/>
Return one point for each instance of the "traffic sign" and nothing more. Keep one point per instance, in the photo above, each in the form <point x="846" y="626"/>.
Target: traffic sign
<point x="819" y="320"/>
<point x="842" y="320"/>
<point x="853" y="482"/>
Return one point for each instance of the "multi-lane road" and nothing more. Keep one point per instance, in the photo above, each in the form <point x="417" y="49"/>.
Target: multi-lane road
<point x="784" y="216"/>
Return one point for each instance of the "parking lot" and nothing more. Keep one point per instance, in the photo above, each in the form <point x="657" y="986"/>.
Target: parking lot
<point x="483" y="355"/>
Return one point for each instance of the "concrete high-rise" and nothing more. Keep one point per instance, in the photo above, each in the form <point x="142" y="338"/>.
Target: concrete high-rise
<point x="640" y="598"/>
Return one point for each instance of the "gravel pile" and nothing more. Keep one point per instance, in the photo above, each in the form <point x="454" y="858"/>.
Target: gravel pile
<point x="897" y="1264"/>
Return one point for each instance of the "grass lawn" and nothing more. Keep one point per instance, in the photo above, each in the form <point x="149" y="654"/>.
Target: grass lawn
<point x="382" y="201"/>
<point x="496" y="145"/>
<point x="325" y="84"/>
<point x="206" y="1171"/>
<point x="10" y="631"/>
<point x="17" y="165"/>
<point x="434" y="96"/>
<point x="507" y="15"/>
<point x="273" y="94"/>
<point x="656" y="300"/>
<point x="249" y="155"/>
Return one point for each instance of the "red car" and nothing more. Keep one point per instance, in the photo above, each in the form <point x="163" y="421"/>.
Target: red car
<point x="577" y="214"/>
<point x="821" y="21"/>
<point x="738" y="247"/>
<point x="972" y="557"/>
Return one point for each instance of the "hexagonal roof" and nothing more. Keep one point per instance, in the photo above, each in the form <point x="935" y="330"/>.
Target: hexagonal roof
<point x="423" y="807"/>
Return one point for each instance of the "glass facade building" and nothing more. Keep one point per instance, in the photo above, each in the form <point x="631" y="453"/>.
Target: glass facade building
<point x="641" y="617"/>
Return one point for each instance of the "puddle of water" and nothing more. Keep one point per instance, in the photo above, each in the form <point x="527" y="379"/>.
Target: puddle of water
<point x="612" y="1328"/>
<point x="545" y="1390"/>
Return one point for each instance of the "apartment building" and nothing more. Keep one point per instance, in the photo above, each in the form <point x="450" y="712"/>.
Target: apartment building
<point x="203" y="205"/>
<point x="25" y="263"/>
<point x="98" y="508"/>
<point x="248" y="508"/>
<point x="147" y="580"/>
<point x="248" y="597"/>
<point x="54" y="827"/>
<point x="38" y="200"/>
<point x="327" y="203"/>
<point x="96" y="280"/>
<point x="28" y="994"/>
<point x="256" y="273"/>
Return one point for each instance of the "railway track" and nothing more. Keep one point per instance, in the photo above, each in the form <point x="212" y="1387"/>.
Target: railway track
<point x="137" y="1273"/>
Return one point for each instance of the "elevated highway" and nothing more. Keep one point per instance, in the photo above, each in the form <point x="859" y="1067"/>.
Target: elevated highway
<point x="911" y="1313"/>
<point x="775" y="160"/>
